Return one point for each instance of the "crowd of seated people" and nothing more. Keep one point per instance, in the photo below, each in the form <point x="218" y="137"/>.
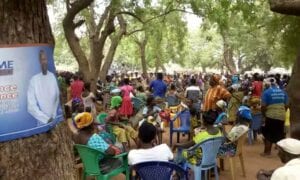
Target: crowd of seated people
<point x="212" y="101"/>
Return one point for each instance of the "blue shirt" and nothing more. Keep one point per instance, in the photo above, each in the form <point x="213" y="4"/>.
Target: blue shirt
<point x="159" y="88"/>
<point x="97" y="142"/>
<point x="274" y="95"/>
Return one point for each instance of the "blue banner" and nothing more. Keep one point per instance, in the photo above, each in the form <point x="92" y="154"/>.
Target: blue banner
<point x="29" y="93"/>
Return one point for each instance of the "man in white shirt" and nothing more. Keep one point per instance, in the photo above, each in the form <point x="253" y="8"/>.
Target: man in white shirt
<point x="289" y="153"/>
<point x="147" y="151"/>
<point x="43" y="93"/>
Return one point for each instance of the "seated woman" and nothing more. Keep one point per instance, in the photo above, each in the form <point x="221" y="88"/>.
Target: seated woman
<point x="240" y="128"/>
<point x="151" y="115"/>
<point x="88" y="134"/>
<point x="207" y="131"/>
<point x="122" y="131"/>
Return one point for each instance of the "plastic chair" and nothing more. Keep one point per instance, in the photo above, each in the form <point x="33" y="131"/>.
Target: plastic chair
<point x="210" y="148"/>
<point x="254" y="127"/>
<point x="90" y="159"/>
<point x="239" y="153"/>
<point x="137" y="104"/>
<point x="159" y="170"/>
<point x="185" y="118"/>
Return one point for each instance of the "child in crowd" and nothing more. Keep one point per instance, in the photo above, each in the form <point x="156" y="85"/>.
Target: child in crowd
<point x="151" y="115"/>
<point x="122" y="131"/>
<point x="222" y="115"/>
<point x="88" y="100"/>
<point x="116" y="99"/>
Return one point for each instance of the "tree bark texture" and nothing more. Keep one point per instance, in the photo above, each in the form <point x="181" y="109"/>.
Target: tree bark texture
<point x="294" y="99"/>
<point x="290" y="7"/>
<point x="45" y="156"/>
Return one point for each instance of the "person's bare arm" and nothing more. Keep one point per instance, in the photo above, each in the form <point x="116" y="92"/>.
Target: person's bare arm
<point x="184" y="145"/>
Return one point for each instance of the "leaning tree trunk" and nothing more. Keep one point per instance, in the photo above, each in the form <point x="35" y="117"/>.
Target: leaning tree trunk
<point x="228" y="56"/>
<point x="48" y="155"/>
<point x="115" y="41"/>
<point x="143" y="56"/>
<point x="291" y="7"/>
<point x="294" y="96"/>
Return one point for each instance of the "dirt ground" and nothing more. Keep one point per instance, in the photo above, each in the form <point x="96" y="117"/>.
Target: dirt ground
<point x="252" y="159"/>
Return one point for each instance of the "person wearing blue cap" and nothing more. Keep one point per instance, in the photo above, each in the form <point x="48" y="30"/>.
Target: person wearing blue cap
<point x="241" y="127"/>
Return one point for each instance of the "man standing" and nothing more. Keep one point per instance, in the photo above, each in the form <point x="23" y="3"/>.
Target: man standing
<point x="215" y="93"/>
<point x="273" y="108"/>
<point x="77" y="87"/>
<point x="158" y="87"/>
<point x="43" y="93"/>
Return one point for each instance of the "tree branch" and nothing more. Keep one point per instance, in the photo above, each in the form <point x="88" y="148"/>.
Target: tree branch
<point x="102" y="19"/>
<point x="69" y="29"/>
<point x="76" y="7"/>
<point x="79" y="23"/>
<point x="134" y="31"/>
<point x="131" y="14"/>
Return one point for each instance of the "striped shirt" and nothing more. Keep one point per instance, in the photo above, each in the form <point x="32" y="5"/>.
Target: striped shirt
<point x="213" y="95"/>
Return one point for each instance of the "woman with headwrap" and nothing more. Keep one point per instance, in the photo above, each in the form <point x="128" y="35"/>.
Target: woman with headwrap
<point x="215" y="93"/>
<point x="89" y="134"/>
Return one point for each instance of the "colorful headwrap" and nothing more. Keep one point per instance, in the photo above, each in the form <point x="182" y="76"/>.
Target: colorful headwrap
<point x="83" y="120"/>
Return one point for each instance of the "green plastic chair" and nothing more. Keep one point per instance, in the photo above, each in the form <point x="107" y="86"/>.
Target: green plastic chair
<point x="90" y="159"/>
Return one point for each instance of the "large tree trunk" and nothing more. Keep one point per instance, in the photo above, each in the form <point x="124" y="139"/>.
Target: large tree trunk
<point x="115" y="40"/>
<point x="291" y="7"/>
<point x="48" y="155"/>
<point x="294" y="97"/>
<point x="227" y="53"/>
<point x="143" y="57"/>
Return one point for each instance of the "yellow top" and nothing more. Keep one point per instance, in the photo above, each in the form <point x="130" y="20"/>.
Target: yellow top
<point x="203" y="135"/>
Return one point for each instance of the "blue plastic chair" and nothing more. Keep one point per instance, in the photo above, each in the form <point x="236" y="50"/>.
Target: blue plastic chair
<point x="210" y="148"/>
<point x="159" y="170"/>
<point x="137" y="104"/>
<point x="185" y="125"/>
<point x="254" y="127"/>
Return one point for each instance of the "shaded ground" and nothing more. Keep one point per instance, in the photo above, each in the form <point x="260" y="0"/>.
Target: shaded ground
<point x="253" y="161"/>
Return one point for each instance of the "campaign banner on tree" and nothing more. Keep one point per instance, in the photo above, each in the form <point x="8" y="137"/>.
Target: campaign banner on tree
<point x="29" y="92"/>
